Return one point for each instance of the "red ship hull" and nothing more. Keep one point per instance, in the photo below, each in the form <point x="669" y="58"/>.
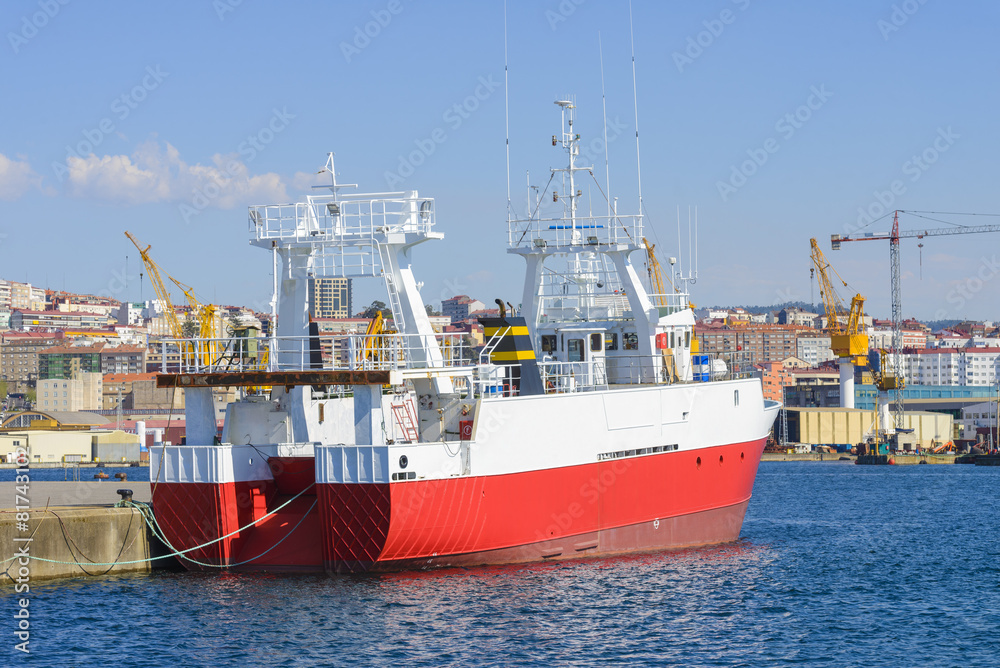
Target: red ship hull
<point x="655" y="502"/>
<point x="663" y="501"/>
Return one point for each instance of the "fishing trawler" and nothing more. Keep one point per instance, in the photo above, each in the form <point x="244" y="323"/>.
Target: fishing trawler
<point x="588" y="424"/>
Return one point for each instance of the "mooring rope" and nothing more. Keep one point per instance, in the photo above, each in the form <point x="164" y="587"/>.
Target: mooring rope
<point x="147" y="513"/>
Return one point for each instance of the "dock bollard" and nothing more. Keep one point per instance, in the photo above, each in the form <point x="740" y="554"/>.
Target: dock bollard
<point x="126" y="494"/>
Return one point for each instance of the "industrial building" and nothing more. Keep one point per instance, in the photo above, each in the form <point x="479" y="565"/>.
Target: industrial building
<point x="848" y="427"/>
<point x="58" y="437"/>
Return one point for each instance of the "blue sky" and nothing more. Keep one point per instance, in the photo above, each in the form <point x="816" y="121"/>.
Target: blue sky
<point x="123" y="116"/>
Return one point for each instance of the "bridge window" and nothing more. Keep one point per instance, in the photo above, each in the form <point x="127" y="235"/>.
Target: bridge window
<point x="548" y="343"/>
<point x="596" y="342"/>
<point x="631" y="340"/>
<point x="575" y="351"/>
<point x="611" y="341"/>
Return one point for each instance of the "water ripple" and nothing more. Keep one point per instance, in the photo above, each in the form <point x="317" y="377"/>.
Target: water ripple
<point x="837" y="566"/>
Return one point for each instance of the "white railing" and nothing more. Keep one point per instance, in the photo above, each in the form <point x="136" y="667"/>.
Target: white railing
<point x="581" y="231"/>
<point x="640" y="369"/>
<point x="565" y="377"/>
<point x="331" y="352"/>
<point x="670" y="302"/>
<point x="344" y="231"/>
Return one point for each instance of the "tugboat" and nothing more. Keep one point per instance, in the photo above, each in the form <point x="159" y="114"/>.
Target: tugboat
<point x="588" y="424"/>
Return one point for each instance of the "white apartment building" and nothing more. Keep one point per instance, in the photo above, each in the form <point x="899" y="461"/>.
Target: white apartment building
<point x="882" y="338"/>
<point x="982" y="415"/>
<point x="5" y="293"/>
<point x="80" y="393"/>
<point x="813" y="350"/>
<point x="952" y="366"/>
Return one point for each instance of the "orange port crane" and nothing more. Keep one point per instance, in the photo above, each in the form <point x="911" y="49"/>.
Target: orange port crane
<point x="847" y="342"/>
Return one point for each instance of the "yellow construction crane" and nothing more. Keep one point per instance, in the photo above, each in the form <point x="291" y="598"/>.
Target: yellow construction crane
<point x="161" y="291"/>
<point x="845" y="337"/>
<point x="846" y="341"/>
<point x="206" y="323"/>
<point x="205" y="313"/>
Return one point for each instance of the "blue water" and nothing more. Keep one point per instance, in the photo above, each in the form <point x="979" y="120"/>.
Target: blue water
<point x="838" y="565"/>
<point x="137" y="473"/>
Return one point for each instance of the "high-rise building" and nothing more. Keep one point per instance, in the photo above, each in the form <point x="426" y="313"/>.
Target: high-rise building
<point x="330" y="297"/>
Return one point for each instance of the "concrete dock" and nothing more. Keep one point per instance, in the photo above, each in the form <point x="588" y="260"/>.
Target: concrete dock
<point x="77" y="525"/>
<point x="901" y="460"/>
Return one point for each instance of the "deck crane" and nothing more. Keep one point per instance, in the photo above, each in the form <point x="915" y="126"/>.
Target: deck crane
<point x="161" y="291"/>
<point x="846" y="341"/>
<point x="655" y="275"/>
<point x="893" y="238"/>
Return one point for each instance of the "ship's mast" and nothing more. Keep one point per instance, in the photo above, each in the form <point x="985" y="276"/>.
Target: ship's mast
<point x="571" y="143"/>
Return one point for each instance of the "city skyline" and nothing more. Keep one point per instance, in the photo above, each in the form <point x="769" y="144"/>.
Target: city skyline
<point x="777" y="123"/>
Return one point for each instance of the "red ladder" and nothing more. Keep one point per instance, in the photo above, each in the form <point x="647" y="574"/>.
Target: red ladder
<point x="406" y="420"/>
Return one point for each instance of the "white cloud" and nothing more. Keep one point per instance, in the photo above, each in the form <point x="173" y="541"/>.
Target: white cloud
<point x="155" y="173"/>
<point x="16" y="178"/>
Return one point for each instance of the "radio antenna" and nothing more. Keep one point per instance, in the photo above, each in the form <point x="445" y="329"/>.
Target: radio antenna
<point x="604" y="104"/>
<point x="506" y="105"/>
<point x="635" y="102"/>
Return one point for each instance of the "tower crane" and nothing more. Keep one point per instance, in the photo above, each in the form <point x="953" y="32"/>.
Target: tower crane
<point x="893" y="238"/>
<point x="847" y="343"/>
<point x="161" y="291"/>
